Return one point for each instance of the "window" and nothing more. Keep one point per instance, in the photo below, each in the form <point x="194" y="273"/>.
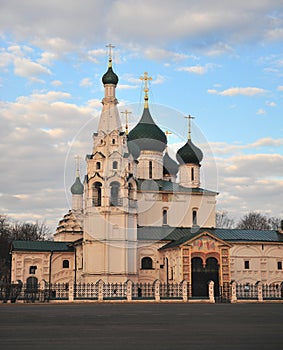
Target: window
<point x="146" y="263"/>
<point x="113" y="141"/>
<point x="247" y="264"/>
<point x="150" y="169"/>
<point x="98" y="165"/>
<point x="279" y="265"/>
<point x="96" y="194"/>
<point x="32" y="270"/>
<point x="192" y="174"/>
<point x="66" y="264"/>
<point x="115" y="189"/>
<point x="165" y="217"/>
<point x="130" y="191"/>
<point x="194" y="217"/>
<point x="115" y="165"/>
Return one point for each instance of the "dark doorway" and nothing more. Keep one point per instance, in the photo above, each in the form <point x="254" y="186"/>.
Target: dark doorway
<point x="201" y="275"/>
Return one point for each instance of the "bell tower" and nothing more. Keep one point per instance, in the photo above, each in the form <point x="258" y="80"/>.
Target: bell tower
<point x="110" y="220"/>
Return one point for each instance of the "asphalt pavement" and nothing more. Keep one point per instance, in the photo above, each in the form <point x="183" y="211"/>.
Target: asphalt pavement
<point x="141" y="326"/>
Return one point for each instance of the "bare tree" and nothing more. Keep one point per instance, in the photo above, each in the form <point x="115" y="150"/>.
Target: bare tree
<point x="10" y="231"/>
<point x="257" y="221"/>
<point x="223" y="220"/>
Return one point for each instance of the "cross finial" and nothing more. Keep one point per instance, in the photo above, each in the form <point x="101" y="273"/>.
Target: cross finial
<point x="145" y="78"/>
<point x="126" y="112"/>
<point x="110" y="47"/>
<point x="77" y="159"/>
<point x="189" y="117"/>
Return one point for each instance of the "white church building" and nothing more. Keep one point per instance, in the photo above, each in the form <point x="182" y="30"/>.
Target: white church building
<point x="139" y="215"/>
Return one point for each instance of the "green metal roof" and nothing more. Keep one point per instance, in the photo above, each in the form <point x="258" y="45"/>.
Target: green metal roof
<point x="146" y="135"/>
<point x="42" y="246"/>
<point x="110" y="77"/>
<point x="77" y="187"/>
<point x="179" y="235"/>
<point x="170" y="167"/>
<point x="168" y="186"/>
<point x="189" y="153"/>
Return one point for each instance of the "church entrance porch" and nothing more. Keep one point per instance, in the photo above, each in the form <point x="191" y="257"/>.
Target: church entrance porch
<point x="202" y="274"/>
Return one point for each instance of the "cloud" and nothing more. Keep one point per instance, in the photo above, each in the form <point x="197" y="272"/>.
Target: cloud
<point x="86" y="82"/>
<point x="280" y="88"/>
<point x="126" y="87"/>
<point x="261" y="111"/>
<point x="198" y="69"/>
<point x="187" y="22"/>
<point x="270" y="103"/>
<point x="245" y="91"/>
<point x="155" y="53"/>
<point x="56" y="83"/>
<point x="28" y="69"/>
<point x="250" y="183"/>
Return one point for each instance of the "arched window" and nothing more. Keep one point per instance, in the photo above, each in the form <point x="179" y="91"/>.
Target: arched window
<point x="192" y="174"/>
<point x="195" y="217"/>
<point x="165" y="216"/>
<point x="96" y="194"/>
<point x="146" y="263"/>
<point x="115" y="165"/>
<point x="150" y="169"/>
<point x="114" y="195"/>
<point x="98" y="165"/>
<point x="66" y="264"/>
<point x="130" y="191"/>
<point x="113" y="141"/>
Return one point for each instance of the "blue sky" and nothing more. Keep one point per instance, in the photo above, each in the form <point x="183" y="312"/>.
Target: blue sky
<point x="221" y="62"/>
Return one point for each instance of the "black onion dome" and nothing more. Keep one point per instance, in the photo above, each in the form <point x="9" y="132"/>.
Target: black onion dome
<point x="189" y="153"/>
<point x="77" y="187"/>
<point x="170" y="167"/>
<point x="147" y="135"/>
<point x="110" y="77"/>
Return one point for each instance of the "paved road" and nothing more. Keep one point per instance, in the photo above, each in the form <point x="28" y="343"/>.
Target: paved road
<point x="141" y="326"/>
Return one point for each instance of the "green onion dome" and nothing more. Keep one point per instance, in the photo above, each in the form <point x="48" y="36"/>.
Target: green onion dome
<point x="189" y="153"/>
<point x="77" y="187"/>
<point x="110" y="77"/>
<point x="146" y="135"/>
<point x="170" y="167"/>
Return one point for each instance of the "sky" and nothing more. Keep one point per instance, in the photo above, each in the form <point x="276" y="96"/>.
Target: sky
<point x="219" y="61"/>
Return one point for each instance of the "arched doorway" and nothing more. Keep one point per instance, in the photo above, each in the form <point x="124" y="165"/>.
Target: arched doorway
<point x="202" y="274"/>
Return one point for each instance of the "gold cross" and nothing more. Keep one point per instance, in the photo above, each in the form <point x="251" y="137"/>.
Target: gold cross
<point x="126" y="112"/>
<point x="189" y="117"/>
<point x="110" y="47"/>
<point x="145" y="78"/>
<point x="77" y="159"/>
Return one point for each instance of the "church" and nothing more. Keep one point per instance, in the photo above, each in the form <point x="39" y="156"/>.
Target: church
<point x="139" y="215"/>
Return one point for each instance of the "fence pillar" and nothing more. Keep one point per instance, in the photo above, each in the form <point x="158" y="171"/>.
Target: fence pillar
<point x="41" y="290"/>
<point x="71" y="291"/>
<point x="233" y="292"/>
<point x="259" y="291"/>
<point x="185" y="290"/>
<point x="129" y="291"/>
<point x="211" y="291"/>
<point x="100" y="290"/>
<point x="157" y="290"/>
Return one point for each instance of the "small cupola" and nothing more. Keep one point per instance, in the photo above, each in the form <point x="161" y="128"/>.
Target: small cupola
<point x="77" y="187"/>
<point x="110" y="77"/>
<point x="189" y="154"/>
<point x="170" y="167"/>
<point x="189" y="157"/>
